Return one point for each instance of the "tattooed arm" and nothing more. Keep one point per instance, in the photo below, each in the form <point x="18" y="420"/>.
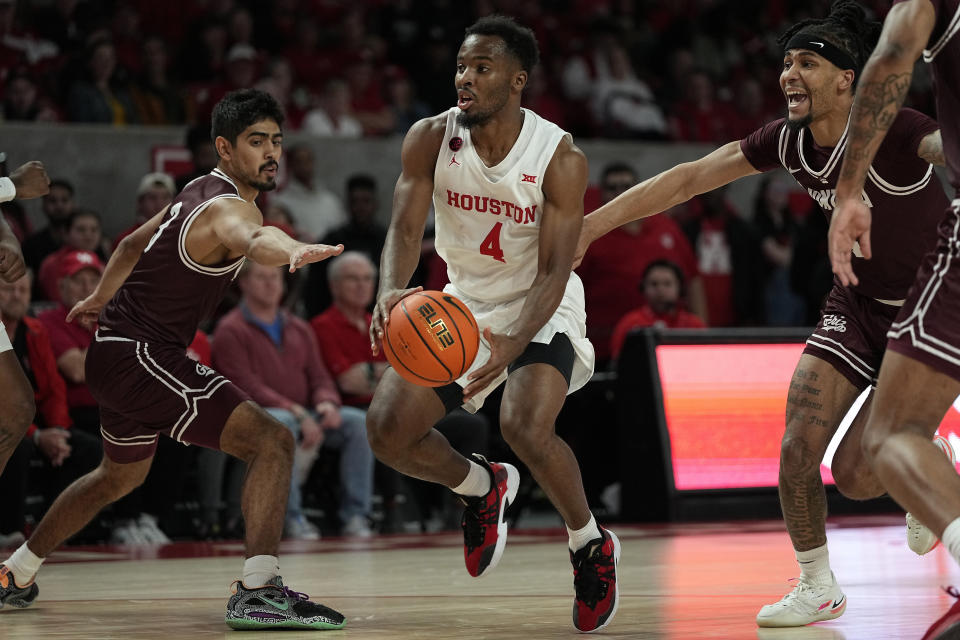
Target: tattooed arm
<point x="882" y="89"/>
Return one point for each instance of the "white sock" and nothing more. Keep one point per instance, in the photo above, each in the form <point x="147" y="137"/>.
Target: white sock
<point x="258" y="569"/>
<point x="815" y="565"/>
<point x="477" y="482"/>
<point x="951" y="539"/>
<point x="580" y="537"/>
<point x="23" y="564"/>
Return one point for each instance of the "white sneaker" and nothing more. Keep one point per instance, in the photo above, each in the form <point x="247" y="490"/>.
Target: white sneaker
<point x="805" y="604"/>
<point x="920" y="539"/>
<point x="357" y="527"/>
<point x="14" y="539"/>
<point x="152" y="534"/>
<point x="127" y="532"/>
<point x="300" y="529"/>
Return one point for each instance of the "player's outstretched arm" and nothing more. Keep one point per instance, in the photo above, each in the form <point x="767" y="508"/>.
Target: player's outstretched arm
<point x="665" y="190"/>
<point x="118" y="269"/>
<point x="880" y="94"/>
<point x="411" y="205"/>
<point x="564" y="184"/>
<point x="238" y="225"/>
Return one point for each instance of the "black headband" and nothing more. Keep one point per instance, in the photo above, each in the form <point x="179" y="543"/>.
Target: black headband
<point x="821" y="47"/>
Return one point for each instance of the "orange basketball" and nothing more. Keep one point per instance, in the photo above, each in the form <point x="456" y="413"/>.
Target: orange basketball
<point x="431" y="339"/>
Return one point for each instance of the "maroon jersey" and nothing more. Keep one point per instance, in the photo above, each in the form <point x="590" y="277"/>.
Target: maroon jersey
<point x="943" y="54"/>
<point x="902" y="190"/>
<point x="168" y="293"/>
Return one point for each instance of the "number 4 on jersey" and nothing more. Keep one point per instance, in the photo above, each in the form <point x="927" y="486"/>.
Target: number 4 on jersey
<point x="491" y="244"/>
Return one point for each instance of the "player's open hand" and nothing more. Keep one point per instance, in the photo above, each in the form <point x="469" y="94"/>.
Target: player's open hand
<point x="12" y="266"/>
<point x="31" y="180"/>
<point x="849" y="224"/>
<point x="381" y="314"/>
<point x="504" y="349"/>
<point x="307" y="253"/>
<point x="86" y="311"/>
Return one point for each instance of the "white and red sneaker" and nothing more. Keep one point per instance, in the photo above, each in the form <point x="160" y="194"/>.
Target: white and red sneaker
<point x="807" y="603"/>
<point x="484" y="527"/>
<point x="595" y="582"/>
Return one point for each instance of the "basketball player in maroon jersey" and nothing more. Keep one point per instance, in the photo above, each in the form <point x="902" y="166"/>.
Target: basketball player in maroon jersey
<point x="17" y="408"/>
<point x="920" y="376"/>
<point x="162" y="280"/>
<point x="821" y="64"/>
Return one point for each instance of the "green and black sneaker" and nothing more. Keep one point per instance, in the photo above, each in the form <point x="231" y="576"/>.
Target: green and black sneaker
<point x="274" y="606"/>
<point x="14" y="595"/>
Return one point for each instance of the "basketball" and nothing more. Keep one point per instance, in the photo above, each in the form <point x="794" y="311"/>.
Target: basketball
<point x="431" y="339"/>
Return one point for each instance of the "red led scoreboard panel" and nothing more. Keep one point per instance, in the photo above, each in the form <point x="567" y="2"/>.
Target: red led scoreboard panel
<point x="723" y="408"/>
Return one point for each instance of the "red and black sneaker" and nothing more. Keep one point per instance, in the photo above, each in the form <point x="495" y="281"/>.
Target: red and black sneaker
<point x="595" y="582"/>
<point x="484" y="529"/>
<point x="947" y="627"/>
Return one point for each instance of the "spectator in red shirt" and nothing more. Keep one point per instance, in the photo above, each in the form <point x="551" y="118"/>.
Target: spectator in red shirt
<point x="80" y="273"/>
<point x="65" y="454"/>
<point x="611" y="272"/>
<point x="662" y="287"/>
<point x="83" y="234"/>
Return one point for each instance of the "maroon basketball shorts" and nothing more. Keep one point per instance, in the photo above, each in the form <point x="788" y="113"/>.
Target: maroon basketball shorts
<point x="852" y="334"/>
<point x="149" y="389"/>
<point x="928" y="327"/>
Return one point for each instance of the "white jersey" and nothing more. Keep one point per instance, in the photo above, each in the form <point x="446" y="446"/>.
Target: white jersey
<point x="488" y="218"/>
<point x="488" y="231"/>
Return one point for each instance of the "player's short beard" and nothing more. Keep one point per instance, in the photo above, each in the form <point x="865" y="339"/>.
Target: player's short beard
<point x="263" y="186"/>
<point x="468" y="120"/>
<point x="268" y="185"/>
<point x="474" y="117"/>
<point x="796" y="125"/>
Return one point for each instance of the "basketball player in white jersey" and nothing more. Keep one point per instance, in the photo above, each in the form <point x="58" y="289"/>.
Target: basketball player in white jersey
<point x="17" y="407"/>
<point x="507" y="187"/>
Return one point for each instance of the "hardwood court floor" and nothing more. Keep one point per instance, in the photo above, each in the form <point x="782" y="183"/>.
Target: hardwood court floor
<point x="676" y="581"/>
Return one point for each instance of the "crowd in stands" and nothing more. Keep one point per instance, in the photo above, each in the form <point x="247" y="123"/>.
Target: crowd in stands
<point x="692" y="70"/>
<point x="297" y="343"/>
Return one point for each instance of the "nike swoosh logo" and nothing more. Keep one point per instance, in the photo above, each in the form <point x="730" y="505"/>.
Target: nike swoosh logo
<point x="793" y="171"/>
<point x="282" y="606"/>
<point x="837" y="603"/>
<point x="819" y="44"/>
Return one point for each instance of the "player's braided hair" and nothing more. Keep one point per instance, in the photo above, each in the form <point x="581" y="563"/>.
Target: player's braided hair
<point x="846" y="28"/>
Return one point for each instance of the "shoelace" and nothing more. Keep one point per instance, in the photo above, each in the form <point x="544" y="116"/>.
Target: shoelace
<point x="591" y="576"/>
<point x="296" y="595"/>
<point x="798" y="590"/>
<point x="479" y="512"/>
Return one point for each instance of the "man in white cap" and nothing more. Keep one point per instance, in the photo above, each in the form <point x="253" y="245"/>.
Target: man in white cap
<point x="154" y="193"/>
